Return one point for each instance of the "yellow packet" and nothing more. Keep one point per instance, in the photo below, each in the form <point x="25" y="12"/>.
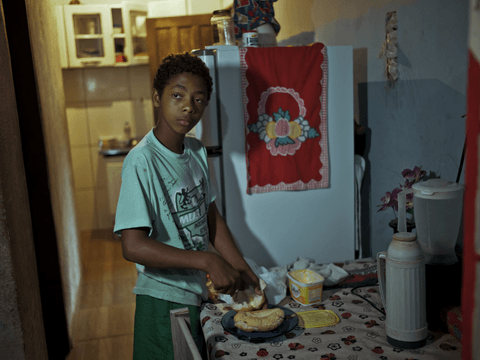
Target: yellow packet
<point x="317" y="318"/>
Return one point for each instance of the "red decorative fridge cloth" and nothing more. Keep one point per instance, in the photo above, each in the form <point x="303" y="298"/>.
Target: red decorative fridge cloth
<point x="285" y="112"/>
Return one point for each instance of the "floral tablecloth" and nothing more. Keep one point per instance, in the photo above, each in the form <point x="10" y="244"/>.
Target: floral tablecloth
<point x="360" y="334"/>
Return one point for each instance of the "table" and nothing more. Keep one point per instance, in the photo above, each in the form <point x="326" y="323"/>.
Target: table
<point x="360" y="334"/>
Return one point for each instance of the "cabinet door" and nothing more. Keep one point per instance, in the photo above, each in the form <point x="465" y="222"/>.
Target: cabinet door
<point x="89" y="34"/>
<point x="135" y="17"/>
<point x="175" y="35"/>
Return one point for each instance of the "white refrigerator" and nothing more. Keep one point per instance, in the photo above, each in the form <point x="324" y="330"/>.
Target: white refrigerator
<point x="318" y="224"/>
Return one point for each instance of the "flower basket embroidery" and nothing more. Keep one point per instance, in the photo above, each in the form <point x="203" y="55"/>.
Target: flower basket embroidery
<point x="282" y="135"/>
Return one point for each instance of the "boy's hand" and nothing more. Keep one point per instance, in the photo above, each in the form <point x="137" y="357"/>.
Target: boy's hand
<point x="247" y="279"/>
<point x="225" y="278"/>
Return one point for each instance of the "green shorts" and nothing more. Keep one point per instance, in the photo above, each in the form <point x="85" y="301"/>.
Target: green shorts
<point x="152" y="339"/>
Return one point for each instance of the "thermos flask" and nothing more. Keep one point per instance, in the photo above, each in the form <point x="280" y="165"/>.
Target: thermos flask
<point x="401" y="275"/>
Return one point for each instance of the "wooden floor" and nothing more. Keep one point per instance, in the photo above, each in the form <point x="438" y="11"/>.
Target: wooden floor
<point x="103" y="328"/>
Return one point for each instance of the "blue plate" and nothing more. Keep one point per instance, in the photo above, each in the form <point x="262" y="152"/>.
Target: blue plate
<point x="288" y="324"/>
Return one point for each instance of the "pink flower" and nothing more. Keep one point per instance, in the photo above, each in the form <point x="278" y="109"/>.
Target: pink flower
<point x="387" y="201"/>
<point x="390" y="200"/>
<point x="414" y="175"/>
<point x="282" y="128"/>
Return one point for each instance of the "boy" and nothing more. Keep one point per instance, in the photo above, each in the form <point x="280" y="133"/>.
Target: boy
<point x="166" y="214"/>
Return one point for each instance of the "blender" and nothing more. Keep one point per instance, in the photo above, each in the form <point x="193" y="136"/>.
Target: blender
<point x="438" y="214"/>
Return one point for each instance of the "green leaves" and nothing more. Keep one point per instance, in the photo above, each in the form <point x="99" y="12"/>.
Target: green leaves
<point x="281" y="115"/>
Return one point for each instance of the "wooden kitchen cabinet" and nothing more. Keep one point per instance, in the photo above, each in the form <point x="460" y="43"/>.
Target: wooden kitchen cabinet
<point x="176" y="34"/>
<point x="102" y="35"/>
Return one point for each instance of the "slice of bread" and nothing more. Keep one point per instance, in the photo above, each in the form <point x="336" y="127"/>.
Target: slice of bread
<point x="248" y="299"/>
<point x="259" y="320"/>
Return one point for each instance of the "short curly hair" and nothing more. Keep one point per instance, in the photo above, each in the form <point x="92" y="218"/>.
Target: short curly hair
<point x="175" y="64"/>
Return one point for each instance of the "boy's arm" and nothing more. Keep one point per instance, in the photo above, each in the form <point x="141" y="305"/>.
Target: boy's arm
<point x="222" y="239"/>
<point x="141" y="249"/>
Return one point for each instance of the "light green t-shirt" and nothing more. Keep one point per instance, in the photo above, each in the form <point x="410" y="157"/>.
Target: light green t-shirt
<point x="179" y="219"/>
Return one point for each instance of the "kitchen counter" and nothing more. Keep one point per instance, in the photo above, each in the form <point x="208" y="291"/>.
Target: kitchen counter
<point x="360" y="334"/>
<point x="115" y="152"/>
<point x="113" y="147"/>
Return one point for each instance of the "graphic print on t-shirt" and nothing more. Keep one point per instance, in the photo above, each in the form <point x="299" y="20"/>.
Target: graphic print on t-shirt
<point x="191" y="216"/>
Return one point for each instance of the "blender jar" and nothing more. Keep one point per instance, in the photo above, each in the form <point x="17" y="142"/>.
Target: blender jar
<point x="438" y="212"/>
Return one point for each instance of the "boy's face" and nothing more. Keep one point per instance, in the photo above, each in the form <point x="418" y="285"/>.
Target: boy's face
<point x="181" y="105"/>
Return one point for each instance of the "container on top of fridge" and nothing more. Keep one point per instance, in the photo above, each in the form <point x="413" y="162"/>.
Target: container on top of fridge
<point x="223" y="28"/>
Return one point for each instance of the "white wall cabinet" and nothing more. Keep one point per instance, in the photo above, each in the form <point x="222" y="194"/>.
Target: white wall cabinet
<point x="102" y="35"/>
<point x="196" y="7"/>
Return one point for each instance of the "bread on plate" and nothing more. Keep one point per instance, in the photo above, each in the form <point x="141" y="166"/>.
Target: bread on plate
<point x="259" y="320"/>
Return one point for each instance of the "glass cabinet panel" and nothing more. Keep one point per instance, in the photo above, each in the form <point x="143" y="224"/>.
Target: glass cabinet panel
<point x="138" y="24"/>
<point x="87" y="24"/>
<point x="119" y="37"/>
<point x="87" y="48"/>
<point x="88" y="36"/>
<point x="138" y="29"/>
<point x="117" y="21"/>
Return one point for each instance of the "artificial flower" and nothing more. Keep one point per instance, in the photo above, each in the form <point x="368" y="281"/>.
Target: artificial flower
<point x="390" y="200"/>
